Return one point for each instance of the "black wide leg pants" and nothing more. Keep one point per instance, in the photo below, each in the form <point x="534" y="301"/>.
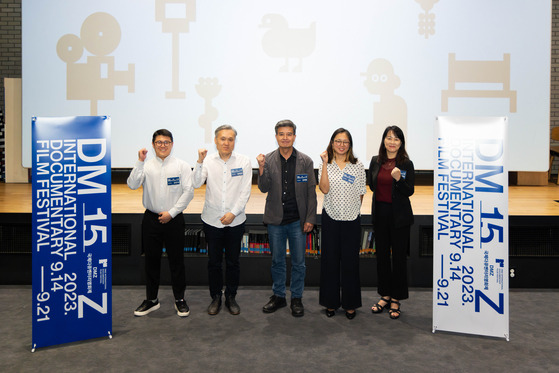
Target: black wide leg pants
<point x="339" y="263"/>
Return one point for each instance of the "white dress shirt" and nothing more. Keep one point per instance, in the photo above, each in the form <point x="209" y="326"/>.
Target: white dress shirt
<point x="167" y="184"/>
<point x="343" y="200"/>
<point x="228" y="186"/>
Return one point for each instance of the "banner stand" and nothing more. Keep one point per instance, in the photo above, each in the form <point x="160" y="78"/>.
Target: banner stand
<point x="470" y="226"/>
<point x="71" y="230"/>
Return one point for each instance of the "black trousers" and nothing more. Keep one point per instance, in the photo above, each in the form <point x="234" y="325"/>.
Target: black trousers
<point x="339" y="263"/>
<point x="155" y="236"/>
<point x="220" y="240"/>
<point x="392" y="269"/>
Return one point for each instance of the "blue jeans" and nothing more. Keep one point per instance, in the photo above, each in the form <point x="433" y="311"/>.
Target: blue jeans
<point x="278" y="236"/>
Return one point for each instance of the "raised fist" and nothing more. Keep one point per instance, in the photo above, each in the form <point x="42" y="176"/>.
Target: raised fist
<point x="261" y="159"/>
<point x="396" y="174"/>
<point x="142" y="154"/>
<point x="202" y="155"/>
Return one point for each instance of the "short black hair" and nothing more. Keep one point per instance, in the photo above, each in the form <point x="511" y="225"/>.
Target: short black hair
<point x="162" y="132"/>
<point x="286" y="123"/>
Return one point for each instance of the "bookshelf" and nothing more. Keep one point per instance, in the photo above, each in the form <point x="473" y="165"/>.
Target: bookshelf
<point x="255" y="241"/>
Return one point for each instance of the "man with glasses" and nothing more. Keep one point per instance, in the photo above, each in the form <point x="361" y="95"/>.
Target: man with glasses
<point x="287" y="175"/>
<point x="167" y="190"/>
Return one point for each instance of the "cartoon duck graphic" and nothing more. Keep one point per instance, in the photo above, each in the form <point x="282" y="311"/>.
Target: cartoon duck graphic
<point x="281" y="41"/>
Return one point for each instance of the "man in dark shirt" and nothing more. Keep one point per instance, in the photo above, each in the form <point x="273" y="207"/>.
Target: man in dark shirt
<point x="287" y="175"/>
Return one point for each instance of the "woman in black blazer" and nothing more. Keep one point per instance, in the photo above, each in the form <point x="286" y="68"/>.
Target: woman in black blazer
<point x="391" y="178"/>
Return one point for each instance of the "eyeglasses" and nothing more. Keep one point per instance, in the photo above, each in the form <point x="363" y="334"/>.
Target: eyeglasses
<point x="341" y="142"/>
<point x="163" y="143"/>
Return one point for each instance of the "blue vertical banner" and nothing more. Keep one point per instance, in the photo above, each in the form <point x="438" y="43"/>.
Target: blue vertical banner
<point x="72" y="298"/>
<point x="470" y="227"/>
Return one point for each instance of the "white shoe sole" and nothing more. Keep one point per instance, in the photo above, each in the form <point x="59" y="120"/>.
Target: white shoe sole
<point x="143" y="313"/>
<point x="182" y="314"/>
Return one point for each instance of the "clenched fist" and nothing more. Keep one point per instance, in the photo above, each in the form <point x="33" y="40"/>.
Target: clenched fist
<point x="202" y="155"/>
<point x="396" y="174"/>
<point x="142" y="154"/>
<point x="261" y="159"/>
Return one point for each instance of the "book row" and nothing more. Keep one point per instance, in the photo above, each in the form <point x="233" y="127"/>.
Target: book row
<point x="257" y="242"/>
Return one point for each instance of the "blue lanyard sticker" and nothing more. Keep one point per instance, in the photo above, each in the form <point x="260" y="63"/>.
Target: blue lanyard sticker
<point x="302" y="178"/>
<point x="236" y="172"/>
<point x="173" y="181"/>
<point x="403" y="173"/>
<point x="349" y="178"/>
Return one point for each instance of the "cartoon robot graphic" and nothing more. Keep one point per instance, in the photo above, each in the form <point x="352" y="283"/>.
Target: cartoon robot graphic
<point x="175" y="24"/>
<point x="390" y="109"/>
<point x="281" y="41"/>
<point x="208" y="89"/>
<point x="97" y="78"/>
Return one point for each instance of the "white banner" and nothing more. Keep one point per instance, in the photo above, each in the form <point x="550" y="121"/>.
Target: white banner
<point x="470" y="226"/>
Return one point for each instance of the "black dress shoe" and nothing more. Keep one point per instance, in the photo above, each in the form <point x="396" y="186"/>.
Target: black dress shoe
<point x="297" y="308"/>
<point x="232" y="305"/>
<point x="330" y="313"/>
<point x="350" y="315"/>
<point x="274" y="304"/>
<point x="215" y="305"/>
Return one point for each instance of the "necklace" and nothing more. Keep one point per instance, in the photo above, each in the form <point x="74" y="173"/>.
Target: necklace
<point x="389" y="164"/>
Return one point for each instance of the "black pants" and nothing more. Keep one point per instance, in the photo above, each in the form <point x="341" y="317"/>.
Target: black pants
<point x="339" y="263"/>
<point x="220" y="240"/>
<point x="154" y="236"/>
<point x="392" y="270"/>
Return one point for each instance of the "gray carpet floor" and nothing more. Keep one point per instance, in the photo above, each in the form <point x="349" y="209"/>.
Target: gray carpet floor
<point x="258" y="342"/>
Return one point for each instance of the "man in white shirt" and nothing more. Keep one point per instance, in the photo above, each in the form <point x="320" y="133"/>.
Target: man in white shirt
<point x="167" y="190"/>
<point x="228" y="178"/>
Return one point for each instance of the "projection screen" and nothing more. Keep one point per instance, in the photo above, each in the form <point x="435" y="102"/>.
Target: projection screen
<point x="191" y="66"/>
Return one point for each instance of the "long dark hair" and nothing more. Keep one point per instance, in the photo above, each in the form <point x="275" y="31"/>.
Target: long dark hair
<point x="349" y="156"/>
<point x="402" y="155"/>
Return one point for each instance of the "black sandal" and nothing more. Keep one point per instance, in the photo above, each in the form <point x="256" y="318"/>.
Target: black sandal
<point x="394" y="312"/>
<point x="380" y="308"/>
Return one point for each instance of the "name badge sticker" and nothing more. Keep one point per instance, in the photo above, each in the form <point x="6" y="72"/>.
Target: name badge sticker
<point x="349" y="178"/>
<point x="173" y="181"/>
<point x="236" y="172"/>
<point x="302" y="178"/>
<point x="403" y="173"/>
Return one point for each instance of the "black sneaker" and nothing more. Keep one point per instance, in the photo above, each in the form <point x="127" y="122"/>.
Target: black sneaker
<point x="182" y="308"/>
<point x="146" y="307"/>
<point x="274" y="303"/>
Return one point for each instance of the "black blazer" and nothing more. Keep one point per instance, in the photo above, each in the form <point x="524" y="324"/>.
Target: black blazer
<point x="401" y="191"/>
